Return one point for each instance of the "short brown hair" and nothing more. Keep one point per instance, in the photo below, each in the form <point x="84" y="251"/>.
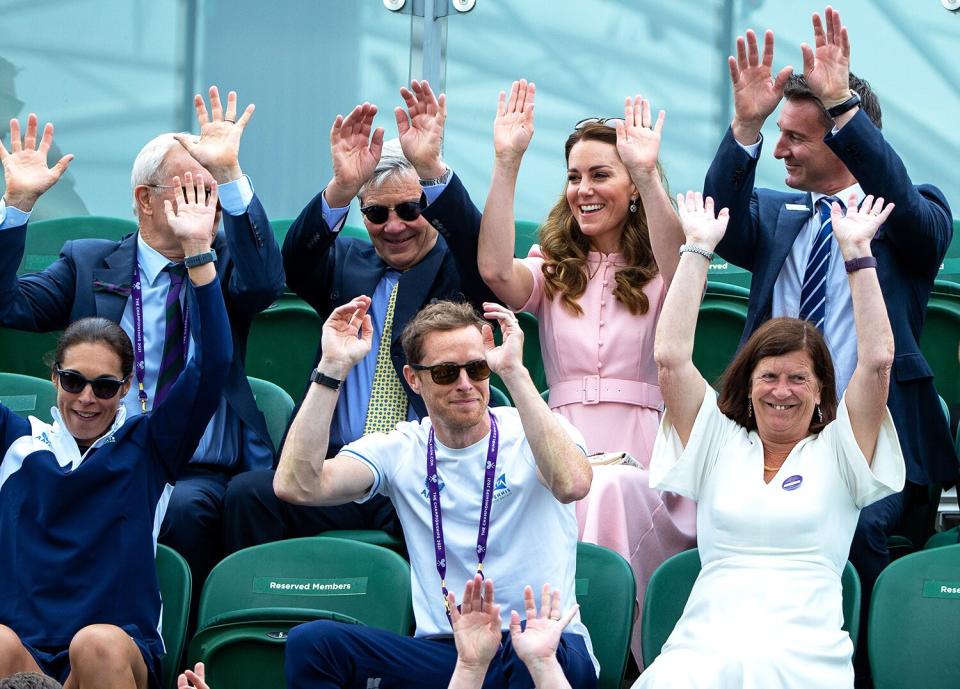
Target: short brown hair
<point x="777" y="337"/>
<point x="797" y="88"/>
<point x="440" y="315"/>
<point x="95" y="330"/>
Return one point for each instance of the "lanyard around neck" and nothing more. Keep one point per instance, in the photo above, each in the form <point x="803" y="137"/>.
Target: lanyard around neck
<point x="433" y="487"/>
<point x="140" y="364"/>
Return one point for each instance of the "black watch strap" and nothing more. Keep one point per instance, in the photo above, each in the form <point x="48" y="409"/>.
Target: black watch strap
<point x="332" y="383"/>
<point x="846" y="106"/>
<point x="200" y="259"/>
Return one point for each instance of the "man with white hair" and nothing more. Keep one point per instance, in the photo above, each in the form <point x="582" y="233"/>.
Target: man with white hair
<point x="138" y="283"/>
<point x="423" y="231"/>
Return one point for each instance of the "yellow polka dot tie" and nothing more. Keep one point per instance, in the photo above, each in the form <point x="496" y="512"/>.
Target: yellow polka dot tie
<point x="388" y="401"/>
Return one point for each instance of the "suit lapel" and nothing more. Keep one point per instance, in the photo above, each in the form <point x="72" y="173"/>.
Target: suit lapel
<point x="788" y="226"/>
<point x="119" y="271"/>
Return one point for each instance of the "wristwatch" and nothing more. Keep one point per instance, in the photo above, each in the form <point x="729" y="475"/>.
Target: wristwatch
<point x="200" y="259"/>
<point x="846" y="106"/>
<point x="325" y="380"/>
<point x="442" y="179"/>
<point x="855" y="264"/>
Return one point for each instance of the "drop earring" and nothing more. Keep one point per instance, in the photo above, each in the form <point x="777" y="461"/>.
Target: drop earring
<point x="819" y="413"/>
<point x="749" y="408"/>
<point x="633" y="205"/>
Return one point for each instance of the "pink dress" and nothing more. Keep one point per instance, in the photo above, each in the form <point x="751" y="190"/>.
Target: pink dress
<point x="603" y="378"/>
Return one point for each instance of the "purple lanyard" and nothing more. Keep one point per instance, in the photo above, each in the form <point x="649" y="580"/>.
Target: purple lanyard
<point x="433" y="487"/>
<point x="141" y="365"/>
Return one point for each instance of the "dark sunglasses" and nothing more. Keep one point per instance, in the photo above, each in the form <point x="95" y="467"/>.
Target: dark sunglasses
<point x="444" y="374"/>
<point x="105" y="388"/>
<point x="407" y="211"/>
<point x="608" y="121"/>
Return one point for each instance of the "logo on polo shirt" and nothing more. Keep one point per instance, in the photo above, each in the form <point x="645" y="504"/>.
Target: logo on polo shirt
<point x="425" y="493"/>
<point x="500" y="489"/>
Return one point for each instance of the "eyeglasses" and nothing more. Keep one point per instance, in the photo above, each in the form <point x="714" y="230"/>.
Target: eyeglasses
<point x="407" y="211"/>
<point x="607" y="121"/>
<point x="444" y="374"/>
<point x="105" y="387"/>
<point x="206" y="190"/>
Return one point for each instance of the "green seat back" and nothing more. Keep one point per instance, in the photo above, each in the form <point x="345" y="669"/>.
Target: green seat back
<point x="606" y="592"/>
<point x="527" y="234"/>
<point x="28" y="396"/>
<point x="939" y="341"/>
<point x="253" y="597"/>
<point x="950" y="268"/>
<point x="670" y="586"/>
<point x="27" y="353"/>
<point x="276" y="405"/>
<point x="915" y="622"/>
<point x="532" y="355"/>
<point x="46" y="238"/>
<point x="280" y="227"/>
<point x="723" y="314"/>
<point x="283" y="345"/>
<point x="498" y="398"/>
<point x="723" y="272"/>
<point x="175" y="588"/>
<point x="948" y="537"/>
<point x="355" y="232"/>
<point x="373" y="537"/>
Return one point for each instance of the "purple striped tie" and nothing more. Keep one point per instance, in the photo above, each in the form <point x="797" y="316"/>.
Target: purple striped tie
<point x="174" y="354"/>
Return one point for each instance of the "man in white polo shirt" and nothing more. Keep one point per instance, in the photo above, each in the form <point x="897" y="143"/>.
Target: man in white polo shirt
<point x="476" y="489"/>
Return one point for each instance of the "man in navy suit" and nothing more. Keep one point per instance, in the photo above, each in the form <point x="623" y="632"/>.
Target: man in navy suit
<point x="97" y="277"/>
<point x="832" y="146"/>
<point x="423" y="231"/>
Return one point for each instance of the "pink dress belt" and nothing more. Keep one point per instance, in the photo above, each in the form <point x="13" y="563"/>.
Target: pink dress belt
<point x="594" y="389"/>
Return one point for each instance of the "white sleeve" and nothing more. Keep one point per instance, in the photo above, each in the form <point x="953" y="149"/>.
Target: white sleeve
<point x="372" y="450"/>
<point x="684" y="469"/>
<point x="867" y="483"/>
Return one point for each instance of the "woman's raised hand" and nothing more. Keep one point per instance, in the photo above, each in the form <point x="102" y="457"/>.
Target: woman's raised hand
<point x="638" y="140"/>
<point x="856" y="229"/>
<point x="700" y="225"/>
<point x="513" y="126"/>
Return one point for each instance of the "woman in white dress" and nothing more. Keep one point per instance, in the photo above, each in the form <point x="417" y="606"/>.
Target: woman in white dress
<point x="780" y="470"/>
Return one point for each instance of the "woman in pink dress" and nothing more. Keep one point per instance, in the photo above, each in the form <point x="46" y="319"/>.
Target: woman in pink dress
<point x="596" y="284"/>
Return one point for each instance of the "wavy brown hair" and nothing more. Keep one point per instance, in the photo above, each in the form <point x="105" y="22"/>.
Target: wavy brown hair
<point x="565" y="247"/>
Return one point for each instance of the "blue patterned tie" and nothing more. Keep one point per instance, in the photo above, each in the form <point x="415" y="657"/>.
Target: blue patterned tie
<point x="813" y="290"/>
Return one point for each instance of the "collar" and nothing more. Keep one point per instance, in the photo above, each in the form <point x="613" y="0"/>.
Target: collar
<point x="842" y="195"/>
<point x="151" y="261"/>
<point x="64" y="445"/>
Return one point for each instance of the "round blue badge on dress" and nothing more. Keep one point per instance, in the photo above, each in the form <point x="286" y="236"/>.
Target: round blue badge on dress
<point x="792" y="482"/>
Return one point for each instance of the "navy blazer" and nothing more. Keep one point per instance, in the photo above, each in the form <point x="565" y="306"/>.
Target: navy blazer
<point x="248" y="265"/>
<point x="909" y="248"/>
<point x="328" y="271"/>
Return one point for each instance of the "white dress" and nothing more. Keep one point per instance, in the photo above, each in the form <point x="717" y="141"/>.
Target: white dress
<point x="766" y="609"/>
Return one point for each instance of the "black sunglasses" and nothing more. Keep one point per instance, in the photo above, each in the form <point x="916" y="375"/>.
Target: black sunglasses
<point x="608" y="121"/>
<point x="105" y="388"/>
<point x="444" y="374"/>
<point x="407" y="211"/>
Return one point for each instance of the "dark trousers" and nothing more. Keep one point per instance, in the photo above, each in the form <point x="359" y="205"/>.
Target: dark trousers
<point x="869" y="554"/>
<point x="333" y="655"/>
<point x="253" y="514"/>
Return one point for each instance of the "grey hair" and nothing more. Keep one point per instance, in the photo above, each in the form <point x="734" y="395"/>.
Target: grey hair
<point x="392" y="164"/>
<point x="148" y="166"/>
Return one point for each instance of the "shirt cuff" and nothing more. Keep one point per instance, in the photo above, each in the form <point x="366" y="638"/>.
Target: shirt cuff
<point x="334" y="217"/>
<point x="236" y="196"/>
<point x="11" y="216"/>
<point x="433" y="191"/>
<point x="753" y="150"/>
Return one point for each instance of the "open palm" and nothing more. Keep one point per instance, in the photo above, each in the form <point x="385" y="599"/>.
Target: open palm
<point x="513" y="126"/>
<point x="638" y="143"/>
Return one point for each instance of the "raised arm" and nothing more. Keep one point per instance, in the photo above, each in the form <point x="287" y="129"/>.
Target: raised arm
<point x="476" y="632"/>
<point x="638" y="143"/>
<point x="420" y="127"/>
<point x="25" y="169"/>
<point x="756" y="93"/>
<point x="562" y="466"/>
<point x="512" y="130"/>
<point x="304" y="475"/>
<point x="866" y="395"/>
<point x="681" y="384"/>
<point x="536" y="644"/>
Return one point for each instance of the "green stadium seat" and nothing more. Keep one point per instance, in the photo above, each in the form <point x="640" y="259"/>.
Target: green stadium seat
<point x="276" y="405"/>
<point x="27" y="395"/>
<point x="723" y="314"/>
<point x="253" y="597"/>
<point x="373" y="537"/>
<point x="723" y="272"/>
<point x="915" y="622"/>
<point x="943" y="538"/>
<point x="280" y="227"/>
<point x="939" y="343"/>
<point x="46" y="237"/>
<point x="670" y="586"/>
<point x="27" y="353"/>
<point x="175" y="588"/>
<point x="606" y="592"/>
<point x="498" y="398"/>
<point x="283" y="345"/>
<point x="526" y="235"/>
<point x="950" y="268"/>
<point x="532" y="355"/>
